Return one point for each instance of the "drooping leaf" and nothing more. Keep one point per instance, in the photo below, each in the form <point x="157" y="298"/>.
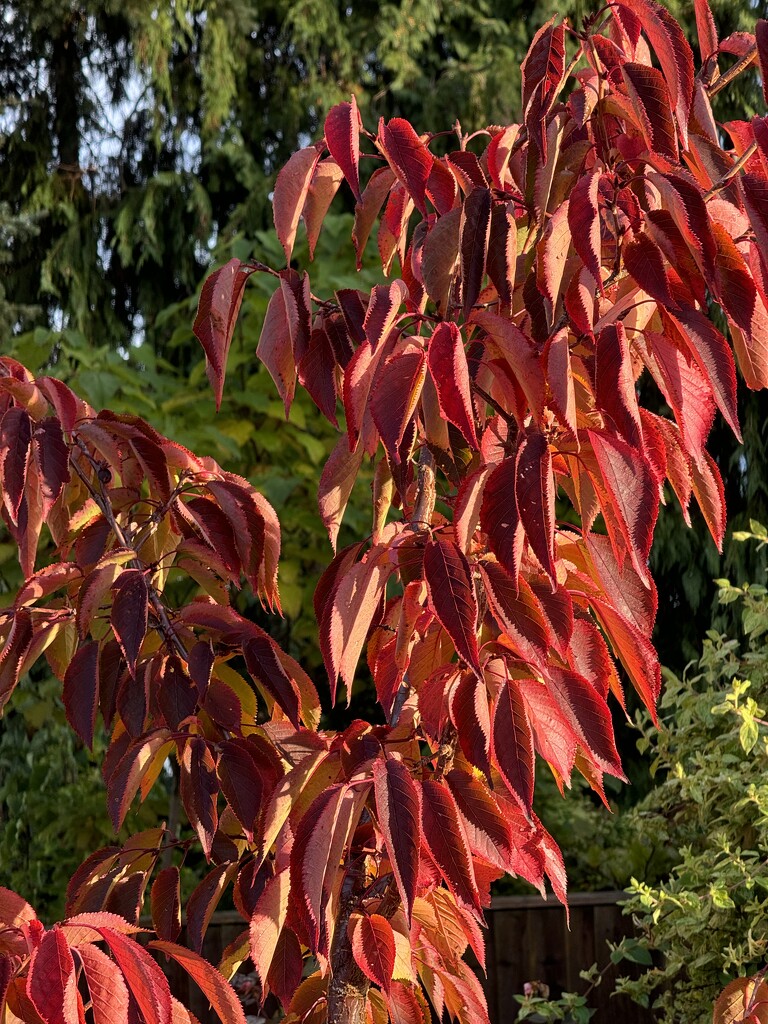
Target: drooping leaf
<point x="199" y="789"/>
<point x="276" y="342"/>
<point x="615" y="384"/>
<point x="471" y="717"/>
<point x="448" y="367"/>
<point x="513" y="744"/>
<point x="500" y="519"/>
<point x="373" y="947"/>
<point x="220" y="301"/>
<point x="265" y="667"/>
<point x="129" y="613"/>
<point x="398" y="809"/>
<point x="475" y="232"/>
<point x="81" y="691"/>
<point x="267" y="921"/>
<point x="675" y="56"/>
<point x="52" y="459"/>
<point x="408" y="156"/>
<point x="15" y="452"/>
<point x="447" y="843"/>
<point x="108" y="991"/>
<point x="146" y="982"/>
<point x="632" y="492"/>
<point x="342" y="137"/>
<point x="52" y="982"/>
<point x="395" y="397"/>
<point x="286" y="967"/>
<point x="214" y="987"/>
<point x="290" y="195"/>
<point x="452" y="595"/>
<point x="584" y="221"/>
<point x="650" y="98"/>
<point x="588" y="715"/>
<point x="535" y="496"/>
<point x="166" y="904"/>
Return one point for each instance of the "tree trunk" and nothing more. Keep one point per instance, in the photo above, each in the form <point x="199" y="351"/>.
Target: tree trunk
<point x="348" y="987"/>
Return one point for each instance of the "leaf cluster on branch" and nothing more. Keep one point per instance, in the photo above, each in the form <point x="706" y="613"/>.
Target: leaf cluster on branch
<point x="503" y="592"/>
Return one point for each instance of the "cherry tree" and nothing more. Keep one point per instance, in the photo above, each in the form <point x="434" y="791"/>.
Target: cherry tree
<point x="537" y="272"/>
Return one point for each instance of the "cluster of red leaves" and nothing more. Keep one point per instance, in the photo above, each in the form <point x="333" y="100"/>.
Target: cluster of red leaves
<point x="543" y="268"/>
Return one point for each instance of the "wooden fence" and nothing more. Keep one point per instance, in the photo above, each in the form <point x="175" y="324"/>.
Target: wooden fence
<point x="528" y="940"/>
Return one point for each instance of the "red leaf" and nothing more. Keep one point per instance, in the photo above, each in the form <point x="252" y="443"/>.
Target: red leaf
<point x="290" y="195"/>
<point x="615" y="383"/>
<point x="52" y="983"/>
<point x="15" y="450"/>
<point x="285" y="970"/>
<point x="125" y="780"/>
<point x="322" y="189"/>
<point x="129" y="614"/>
<point x="276" y="342"/>
<point x="81" y="691"/>
<point x="674" y="53"/>
<point x="584" y="222"/>
<point x="318" y="849"/>
<point x="650" y="98"/>
<point x="52" y="458"/>
<point x="452" y="596"/>
<point x="446" y="841"/>
<point x="241" y="782"/>
<point x="199" y="788"/>
<point x="535" y="494"/>
<point x="487" y="828"/>
<point x="440" y="255"/>
<point x="395" y="398"/>
<point x="403" y="1004"/>
<point x="108" y="991"/>
<point x="450" y="373"/>
<point x="342" y="137"/>
<point x="12" y="656"/>
<point x="560" y="379"/>
<point x="517" y="612"/>
<point x="714" y="356"/>
<point x="635" y="651"/>
<point x="710" y="494"/>
<point x="632" y="494"/>
<point x="502" y="251"/>
<point x="263" y="664"/>
<point x="166" y="904"/>
<point x="382" y="311"/>
<point x="398" y="810"/>
<point x="513" y="744"/>
<point x="204" y="900"/>
<point x="354" y="605"/>
<point x="685" y="390"/>
<point x="622" y="586"/>
<point x="518" y="353"/>
<point x="471" y="717"/>
<point x="408" y="157"/>
<point x="220" y="300"/>
<point x="542" y="74"/>
<point x="554" y="736"/>
<point x="373" y="947"/>
<point x="267" y="922"/>
<point x="214" y="987"/>
<point x="589" y="717"/>
<point x="368" y="208"/>
<point x="475" y="232"/>
<point x="146" y="981"/>
<point x="500" y="519"/>
<point x="645" y="262"/>
<point x="706" y="31"/>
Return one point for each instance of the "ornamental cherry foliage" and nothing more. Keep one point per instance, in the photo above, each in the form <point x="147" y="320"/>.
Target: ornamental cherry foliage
<point x="537" y="273"/>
